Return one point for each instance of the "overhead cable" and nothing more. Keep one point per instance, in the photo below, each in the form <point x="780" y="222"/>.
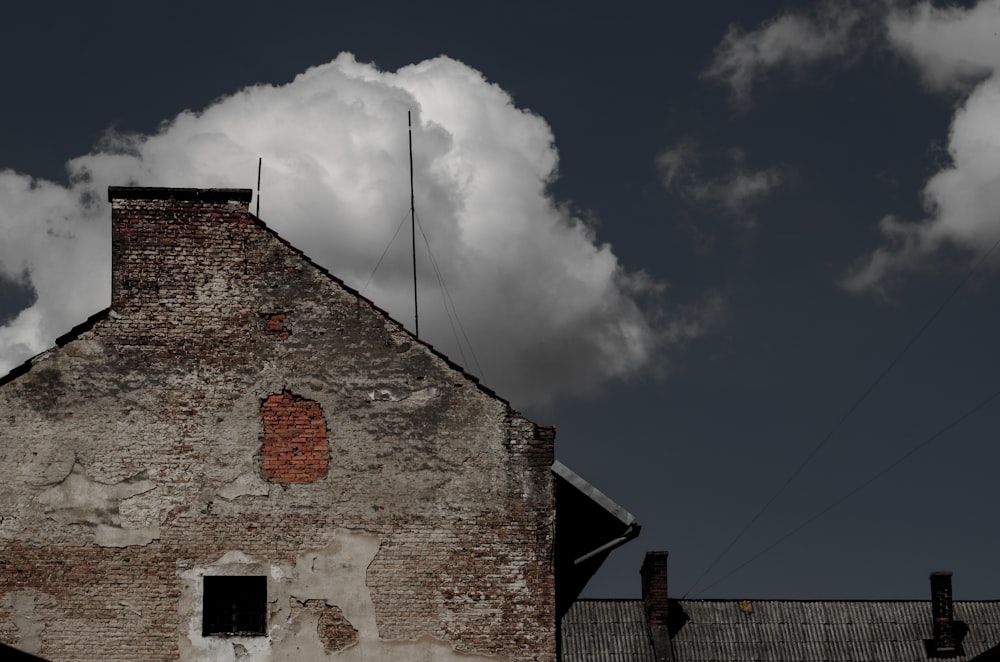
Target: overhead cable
<point x="840" y="422"/>
<point x="895" y="463"/>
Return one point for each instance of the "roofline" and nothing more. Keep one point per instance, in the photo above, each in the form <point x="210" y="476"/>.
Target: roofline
<point x="244" y="195"/>
<point x="241" y="195"/>
<point x="451" y="364"/>
<point x="62" y="340"/>
<point x="604" y="501"/>
<point x="795" y="600"/>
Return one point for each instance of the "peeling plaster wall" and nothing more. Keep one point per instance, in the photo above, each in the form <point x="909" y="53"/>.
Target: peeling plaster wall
<point x="133" y="464"/>
<point x="327" y="580"/>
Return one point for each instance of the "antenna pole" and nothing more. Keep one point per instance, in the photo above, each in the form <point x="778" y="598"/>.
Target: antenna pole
<point x="413" y="230"/>
<point x="260" y="160"/>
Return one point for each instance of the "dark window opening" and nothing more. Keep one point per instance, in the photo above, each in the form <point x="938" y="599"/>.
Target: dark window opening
<point x="234" y="605"/>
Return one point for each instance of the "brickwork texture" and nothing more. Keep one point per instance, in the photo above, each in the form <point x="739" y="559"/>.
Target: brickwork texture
<point x="238" y="410"/>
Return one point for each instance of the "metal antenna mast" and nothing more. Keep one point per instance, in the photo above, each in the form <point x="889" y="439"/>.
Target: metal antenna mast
<point x="260" y="160"/>
<point x="413" y="230"/>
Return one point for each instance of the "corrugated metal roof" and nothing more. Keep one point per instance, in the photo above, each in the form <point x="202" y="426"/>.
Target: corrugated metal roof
<point x="611" y="630"/>
<point x="782" y="630"/>
<point x="777" y="630"/>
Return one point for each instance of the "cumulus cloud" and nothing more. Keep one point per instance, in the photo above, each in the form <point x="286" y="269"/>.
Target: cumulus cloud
<point x="55" y="239"/>
<point x="549" y="310"/>
<point x="736" y="190"/>
<point x="790" y="41"/>
<point x="954" y="49"/>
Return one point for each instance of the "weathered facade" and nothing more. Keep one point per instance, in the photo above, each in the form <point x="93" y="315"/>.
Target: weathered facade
<point x="239" y="412"/>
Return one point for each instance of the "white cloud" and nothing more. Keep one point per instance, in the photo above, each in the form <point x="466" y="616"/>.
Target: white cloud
<point x="747" y="186"/>
<point x="550" y="311"/>
<point x="736" y="190"/>
<point x="954" y="49"/>
<point x="789" y="41"/>
<point x="58" y="238"/>
<point x="951" y="46"/>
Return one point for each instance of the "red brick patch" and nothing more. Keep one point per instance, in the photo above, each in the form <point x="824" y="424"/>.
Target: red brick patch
<point x="274" y="324"/>
<point x="295" y="447"/>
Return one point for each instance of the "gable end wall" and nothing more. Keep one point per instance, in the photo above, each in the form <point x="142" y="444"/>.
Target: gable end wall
<point x="134" y="461"/>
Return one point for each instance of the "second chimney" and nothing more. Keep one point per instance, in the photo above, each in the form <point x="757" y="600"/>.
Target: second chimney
<point x="944" y="642"/>
<point x="654" y="600"/>
<point x="654" y="587"/>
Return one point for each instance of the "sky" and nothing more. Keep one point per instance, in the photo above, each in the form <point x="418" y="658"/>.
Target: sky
<point x="739" y="254"/>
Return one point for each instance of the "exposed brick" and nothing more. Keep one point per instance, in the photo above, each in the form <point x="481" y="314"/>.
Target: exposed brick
<point x="655" y="593"/>
<point x="183" y="393"/>
<point x="335" y="631"/>
<point x="274" y="324"/>
<point x="295" y="448"/>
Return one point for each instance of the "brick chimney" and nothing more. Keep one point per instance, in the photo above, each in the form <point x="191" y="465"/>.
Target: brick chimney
<point x="654" y="600"/>
<point x="944" y="642"/>
<point x="181" y="262"/>
<point x="155" y="229"/>
<point x="654" y="587"/>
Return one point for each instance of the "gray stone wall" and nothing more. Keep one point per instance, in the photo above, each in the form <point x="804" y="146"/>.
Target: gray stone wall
<point x="237" y="410"/>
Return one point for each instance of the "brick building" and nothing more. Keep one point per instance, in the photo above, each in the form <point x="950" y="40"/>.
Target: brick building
<point x="242" y="458"/>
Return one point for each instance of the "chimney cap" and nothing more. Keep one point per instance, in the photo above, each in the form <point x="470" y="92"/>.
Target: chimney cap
<point x="242" y="195"/>
<point x="941" y="573"/>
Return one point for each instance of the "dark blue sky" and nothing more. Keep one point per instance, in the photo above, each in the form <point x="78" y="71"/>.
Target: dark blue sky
<point x="696" y="452"/>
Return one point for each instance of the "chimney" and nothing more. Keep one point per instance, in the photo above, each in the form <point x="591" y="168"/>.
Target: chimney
<point x="654" y="587"/>
<point x="654" y="600"/>
<point x="155" y="230"/>
<point x="944" y="642"/>
<point x="181" y="269"/>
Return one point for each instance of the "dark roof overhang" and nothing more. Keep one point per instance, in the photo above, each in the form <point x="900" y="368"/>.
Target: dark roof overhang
<point x="589" y="525"/>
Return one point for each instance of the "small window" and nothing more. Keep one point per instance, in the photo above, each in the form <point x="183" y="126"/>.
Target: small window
<point x="235" y="605"/>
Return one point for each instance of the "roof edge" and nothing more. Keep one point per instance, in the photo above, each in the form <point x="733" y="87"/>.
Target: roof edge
<point x="924" y="601"/>
<point x="599" y="497"/>
<point x="243" y="195"/>
<point x="378" y="309"/>
<point x="62" y="340"/>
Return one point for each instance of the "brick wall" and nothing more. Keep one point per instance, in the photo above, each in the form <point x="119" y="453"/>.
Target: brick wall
<point x="295" y="448"/>
<point x="190" y="430"/>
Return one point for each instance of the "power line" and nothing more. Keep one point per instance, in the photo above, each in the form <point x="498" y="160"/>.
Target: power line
<point x="955" y="422"/>
<point x="454" y="310"/>
<point x="387" y="247"/>
<point x="413" y="234"/>
<point x="444" y="302"/>
<point x="448" y="303"/>
<point x="840" y="422"/>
